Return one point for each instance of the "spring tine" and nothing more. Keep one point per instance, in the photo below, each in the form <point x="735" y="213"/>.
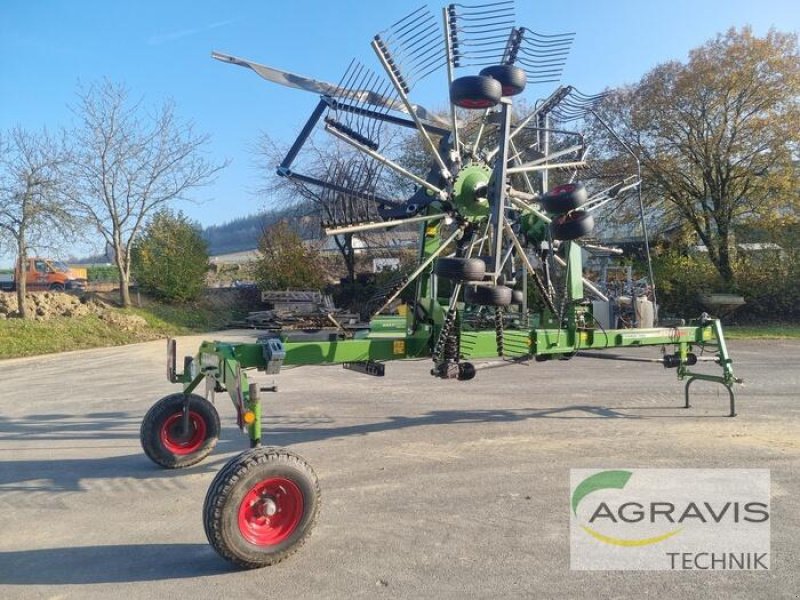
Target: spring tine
<point x="412" y="47"/>
<point x="535" y="42"/>
<point x="412" y="40"/>
<point x="412" y="37"/>
<point x="368" y="80"/>
<point x="409" y="20"/>
<point x="487" y="40"/>
<point x="547" y="62"/>
<point x="543" y="56"/>
<point x="542" y="51"/>
<point x="481" y="32"/>
<point x="343" y="83"/>
<point x="359" y="76"/>
<point x="502" y="7"/>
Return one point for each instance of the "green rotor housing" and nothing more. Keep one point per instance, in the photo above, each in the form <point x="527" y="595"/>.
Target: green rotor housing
<point x="469" y="203"/>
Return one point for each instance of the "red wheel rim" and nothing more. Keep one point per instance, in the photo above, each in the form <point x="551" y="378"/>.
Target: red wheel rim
<point x="175" y="442"/>
<point x="468" y="103"/>
<point x="561" y="189"/>
<point x="270" y="511"/>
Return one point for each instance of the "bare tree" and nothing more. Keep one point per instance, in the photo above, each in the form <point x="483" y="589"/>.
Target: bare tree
<point x="340" y="170"/>
<point x="128" y="163"/>
<point x="32" y="194"/>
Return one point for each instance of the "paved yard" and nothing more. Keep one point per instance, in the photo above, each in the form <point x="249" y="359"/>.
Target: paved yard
<point x="430" y="488"/>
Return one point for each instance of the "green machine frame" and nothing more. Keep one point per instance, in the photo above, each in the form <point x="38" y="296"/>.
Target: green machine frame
<point x="223" y="365"/>
<point x="490" y="223"/>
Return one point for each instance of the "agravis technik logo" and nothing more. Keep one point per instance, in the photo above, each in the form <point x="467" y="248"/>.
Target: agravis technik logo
<point x="611" y="480"/>
<point x="678" y="519"/>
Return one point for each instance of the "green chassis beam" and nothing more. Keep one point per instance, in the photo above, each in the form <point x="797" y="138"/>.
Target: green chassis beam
<point x="224" y="364"/>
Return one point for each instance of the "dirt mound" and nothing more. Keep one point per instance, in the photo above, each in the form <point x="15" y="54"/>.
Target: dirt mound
<point x="47" y="305"/>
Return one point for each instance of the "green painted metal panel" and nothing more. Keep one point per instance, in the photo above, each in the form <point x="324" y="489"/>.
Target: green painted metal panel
<point x="558" y="341"/>
<point x="387" y="326"/>
<point x="483" y="344"/>
<point x="575" y="264"/>
<point x="313" y="353"/>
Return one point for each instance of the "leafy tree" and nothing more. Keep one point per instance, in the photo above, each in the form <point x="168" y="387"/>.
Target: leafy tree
<point x="32" y="194"/>
<point x="285" y="262"/>
<point x="129" y="163"/>
<point x="716" y="136"/>
<point x="170" y="258"/>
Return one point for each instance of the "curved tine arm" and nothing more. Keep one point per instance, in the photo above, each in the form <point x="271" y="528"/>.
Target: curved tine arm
<point x="308" y="84"/>
<point x="389" y="163"/>
<point x="382" y="224"/>
<point x="410" y="109"/>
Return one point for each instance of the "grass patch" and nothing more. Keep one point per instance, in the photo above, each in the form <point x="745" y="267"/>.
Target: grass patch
<point x="765" y="332"/>
<point x="28" y="338"/>
<point x="167" y="319"/>
<point x="61" y="334"/>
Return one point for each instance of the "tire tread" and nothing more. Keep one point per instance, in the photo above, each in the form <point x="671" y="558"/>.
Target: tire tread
<point x="149" y="433"/>
<point x="224" y="486"/>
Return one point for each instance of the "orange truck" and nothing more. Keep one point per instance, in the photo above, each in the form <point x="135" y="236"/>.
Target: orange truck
<point x="45" y="274"/>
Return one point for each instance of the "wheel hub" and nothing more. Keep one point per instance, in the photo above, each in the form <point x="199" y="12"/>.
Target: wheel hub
<point x="268" y="506"/>
<point x="178" y="441"/>
<point x="469" y="191"/>
<point x="271" y="511"/>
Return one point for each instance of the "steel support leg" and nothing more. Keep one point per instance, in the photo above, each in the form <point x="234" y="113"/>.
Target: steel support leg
<point x="185" y="424"/>
<point x="725" y="385"/>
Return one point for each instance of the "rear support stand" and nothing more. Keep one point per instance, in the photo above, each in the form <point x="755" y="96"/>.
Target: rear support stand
<point x="727" y="380"/>
<point x="717" y="380"/>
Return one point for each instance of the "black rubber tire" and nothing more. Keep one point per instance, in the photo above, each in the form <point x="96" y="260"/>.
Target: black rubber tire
<point x="56" y="287"/>
<point x="564" y="198"/>
<point x="223" y="504"/>
<point x="512" y="79"/>
<point x="498" y="295"/>
<point x="466" y="371"/>
<point x="475" y="92"/>
<point x="517" y="297"/>
<point x="460" y="269"/>
<point x="155" y="431"/>
<point x="572" y="226"/>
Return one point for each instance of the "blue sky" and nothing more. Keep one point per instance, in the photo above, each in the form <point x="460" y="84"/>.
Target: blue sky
<point x="161" y="49"/>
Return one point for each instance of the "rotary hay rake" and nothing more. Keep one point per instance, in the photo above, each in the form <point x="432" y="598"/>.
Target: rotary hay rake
<point x="490" y="223"/>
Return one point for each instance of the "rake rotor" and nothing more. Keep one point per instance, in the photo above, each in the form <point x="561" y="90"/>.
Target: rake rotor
<point x="488" y="188"/>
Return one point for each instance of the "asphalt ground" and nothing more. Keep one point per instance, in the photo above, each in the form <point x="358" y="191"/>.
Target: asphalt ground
<point x="431" y="489"/>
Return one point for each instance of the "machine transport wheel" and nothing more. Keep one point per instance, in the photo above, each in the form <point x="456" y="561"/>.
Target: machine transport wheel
<point x="512" y="79"/>
<point x="572" y="225"/>
<point x="57" y="287"/>
<point x="498" y="295"/>
<point x="461" y="269"/>
<point x="564" y="198"/>
<point x="475" y="92"/>
<point x="162" y="435"/>
<point x="261" y="507"/>
<point x="517" y="297"/>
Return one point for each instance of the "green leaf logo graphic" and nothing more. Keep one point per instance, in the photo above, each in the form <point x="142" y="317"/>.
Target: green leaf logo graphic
<point x="611" y="480"/>
<point x="599" y="481"/>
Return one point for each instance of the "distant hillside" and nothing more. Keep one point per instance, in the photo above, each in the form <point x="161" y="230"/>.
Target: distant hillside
<point x="236" y="235"/>
<point x="239" y="234"/>
<point x="243" y="233"/>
